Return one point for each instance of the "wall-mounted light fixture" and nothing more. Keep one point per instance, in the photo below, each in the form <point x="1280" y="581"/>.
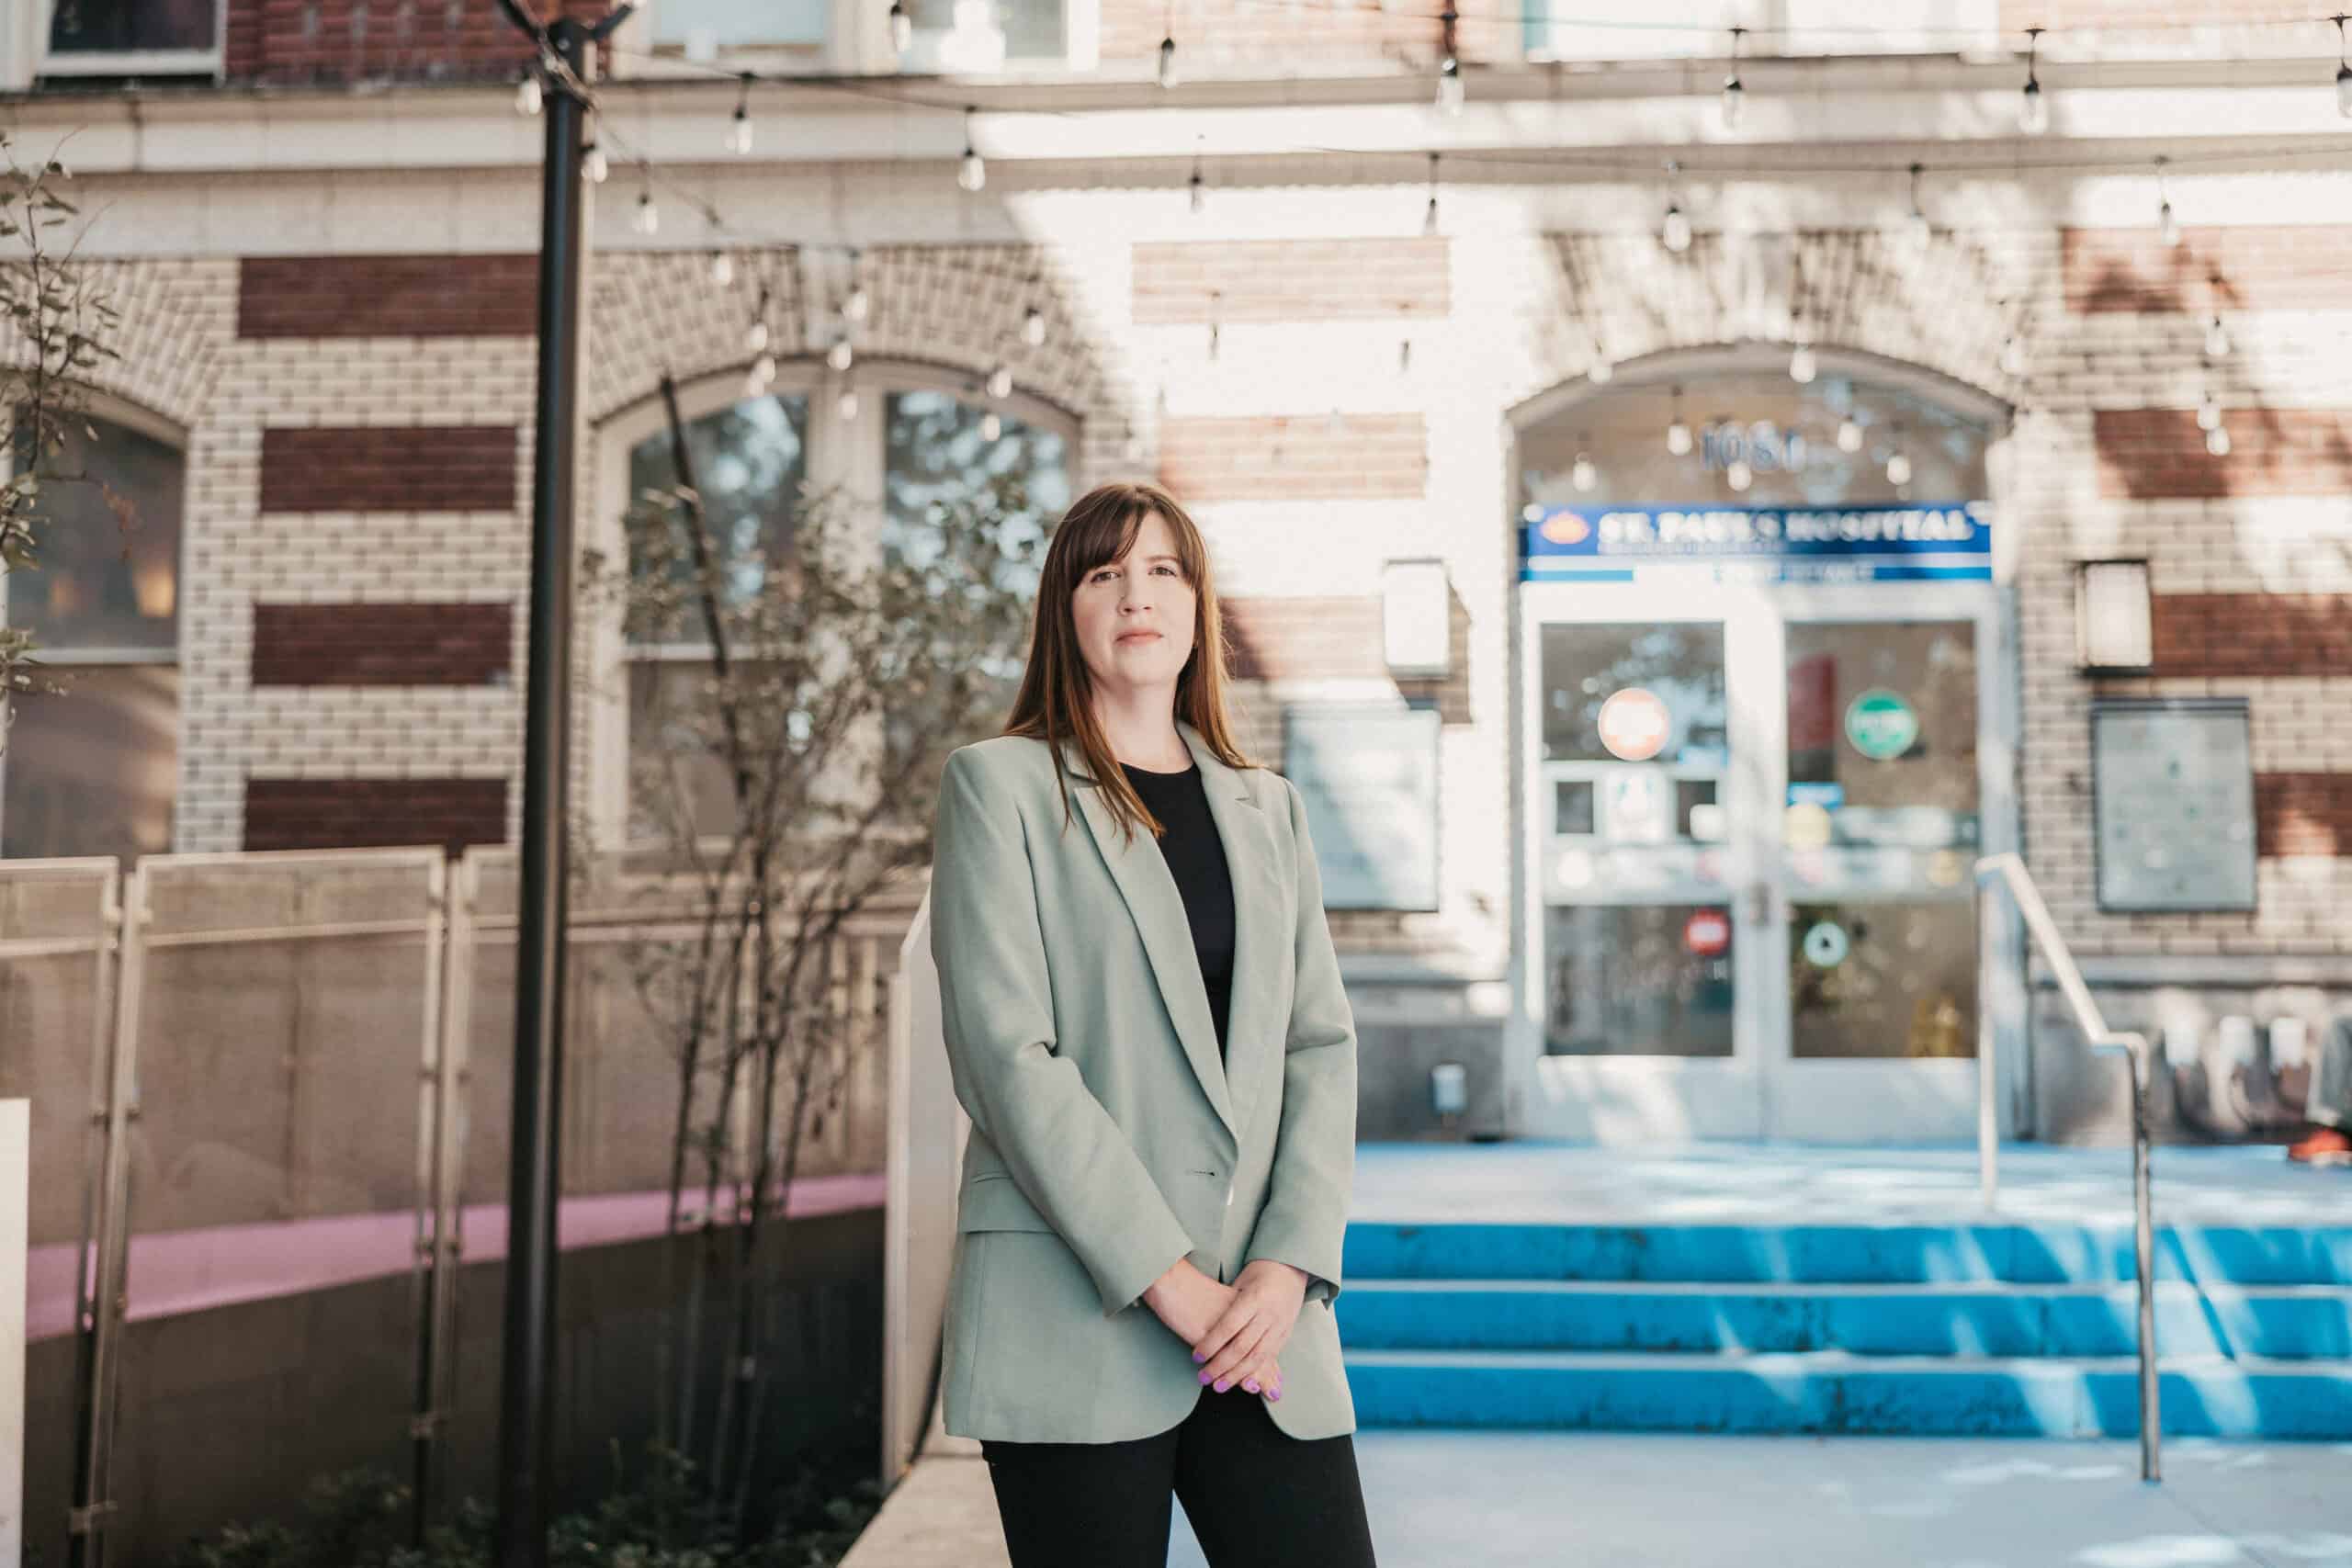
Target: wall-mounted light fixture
<point x="1415" y="619"/>
<point x="2114" y="622"/>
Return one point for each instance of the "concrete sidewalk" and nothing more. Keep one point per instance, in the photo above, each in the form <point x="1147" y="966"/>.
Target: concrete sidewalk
<point x="1441" y="1499"/>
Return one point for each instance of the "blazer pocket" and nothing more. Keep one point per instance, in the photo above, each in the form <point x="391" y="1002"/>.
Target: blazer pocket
<point x="995" y="1202"/>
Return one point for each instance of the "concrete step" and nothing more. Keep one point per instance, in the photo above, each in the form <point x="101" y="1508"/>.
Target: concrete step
<point x="1837" y="1391"/>
<point x="1919" y="1254"/>
<point x="2270" y="1322"/>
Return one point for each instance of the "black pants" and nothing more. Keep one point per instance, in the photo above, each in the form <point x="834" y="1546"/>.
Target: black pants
<point x="1254" y="1494"/>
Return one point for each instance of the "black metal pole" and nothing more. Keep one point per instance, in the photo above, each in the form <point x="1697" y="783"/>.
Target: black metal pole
<point x="526" y="1383"/>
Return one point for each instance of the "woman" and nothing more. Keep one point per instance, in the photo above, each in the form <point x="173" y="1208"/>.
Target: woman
<point x="1143" y="1019"/>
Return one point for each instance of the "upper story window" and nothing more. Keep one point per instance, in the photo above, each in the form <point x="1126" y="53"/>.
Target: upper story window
<point x="950" y="37"/>
<point x="1678" y="30"/>
<point x="133" y="38"/>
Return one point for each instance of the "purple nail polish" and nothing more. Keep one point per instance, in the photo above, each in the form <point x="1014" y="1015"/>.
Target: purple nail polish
<point x="1205" y="1377"/>
<point x="1275" y="1395"/>
<point x="1221" y="1385"/>
<point x="1251" y="1385"/>
<point x="1198" y="1357"/>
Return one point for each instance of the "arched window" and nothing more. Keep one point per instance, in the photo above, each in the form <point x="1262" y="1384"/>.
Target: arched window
<point x="911" y="440"/>
<point x="94" y="769"/>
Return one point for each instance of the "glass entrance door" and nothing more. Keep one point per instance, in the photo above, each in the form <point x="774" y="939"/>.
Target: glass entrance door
<point x="1753" y="816"/>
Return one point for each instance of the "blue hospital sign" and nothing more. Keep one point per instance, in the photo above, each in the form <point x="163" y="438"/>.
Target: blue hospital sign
<point x="1938" y="540"/>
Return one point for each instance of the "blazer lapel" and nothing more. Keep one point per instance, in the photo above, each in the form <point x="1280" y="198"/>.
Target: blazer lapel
<point x="1158" y="909"/>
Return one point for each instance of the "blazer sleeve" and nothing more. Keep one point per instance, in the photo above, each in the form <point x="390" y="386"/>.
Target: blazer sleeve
<point x="1070" y="1158"/>
<point x="1305" y="1219"/>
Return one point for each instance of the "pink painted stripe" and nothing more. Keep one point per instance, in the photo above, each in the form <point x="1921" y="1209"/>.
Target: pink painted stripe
<point x="183" y="1272"/>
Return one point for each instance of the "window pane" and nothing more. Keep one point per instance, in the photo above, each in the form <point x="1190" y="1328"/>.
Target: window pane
<point x="673" y="777"/>
<point x="111" y="25"/>
<point x="937" y="457"/>
<point x="1637" y="980"/>
<point x="964" y="33"/>
<point x="109" y="546"/>
<point x="749" y="462"/>
<point x="1680" y="664"/>
<point x="730" y="24"/>
<point x="92" y="771"/>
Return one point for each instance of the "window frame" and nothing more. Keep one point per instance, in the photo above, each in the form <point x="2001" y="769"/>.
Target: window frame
<point x="111" y="410"/>
<point x="853" y="460"/>
<point x="33" y="41"/>
<point x="857" y="38"/>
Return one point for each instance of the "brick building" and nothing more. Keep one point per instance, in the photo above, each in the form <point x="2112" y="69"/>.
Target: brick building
<point x="1661" y="629"/>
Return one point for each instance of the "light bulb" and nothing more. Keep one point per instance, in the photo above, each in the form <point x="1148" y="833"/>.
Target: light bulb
<point x="1801" y="365"/>
<point x="1200" y="196"/>
<point x="1033" y="327"/>
<point x="902" y="27"/>
<point x="1850" y="437"/>
<point x="2217" y="441"/>
<point x="1674" y="233"/>
<point x="752" y="385"/>
<point x="1898" y="469"/>
<point x="841" y="354"/>
<point x="722" y="269"/>
<point x="974" y="173"/>
<point x="1584" y="476"/>
<point x="739" y="131"/>
<point x="2167" y="225"/>
<point x="2217" y="339"/>
<point x="528" y="96"/>
<point x="1734" y="99"/>
<point x="2344" y="91"/>
<point x="1001" y="382"/>
<point x="859" y="302"/>
<point x="593" y="164"/>
<point x="1601" y="372"/>
<point x="845" y="406"/>
<point x="990" y="426"/>
<point x="2208" y="413"/>
<point x="1168" y="63"/>
<point x="2033" y="114"/>
<point x="1677" y="437"/>
<point x="648" y="219"/>
<point x="755" y="336"/>
<point x="1429" y="219"/>
<point x="1738" y="475"/>
<point x="2013" y="356"/>
<point x="1917" y="229"/>
<point x="764" y="368"/>
<point x="1449" y="86"/>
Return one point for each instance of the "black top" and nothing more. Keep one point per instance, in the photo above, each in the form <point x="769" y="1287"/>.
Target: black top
<point x="1195" y="855"/>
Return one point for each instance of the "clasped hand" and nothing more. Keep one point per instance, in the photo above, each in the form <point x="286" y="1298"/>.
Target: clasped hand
<point x="1237" y="1330"/>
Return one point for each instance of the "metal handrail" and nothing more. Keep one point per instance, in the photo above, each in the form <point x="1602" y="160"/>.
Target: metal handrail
<point x="2010" y="869"/>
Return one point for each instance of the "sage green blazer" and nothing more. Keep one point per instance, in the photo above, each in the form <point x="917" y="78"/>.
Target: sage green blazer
<point x="1108" y="1140"/>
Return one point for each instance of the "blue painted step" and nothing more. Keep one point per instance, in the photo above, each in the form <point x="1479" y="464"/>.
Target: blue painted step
<point x="2275" y="1322"/>
<point x="1831" y="1392"/>
<point x="1832" y="1254"/>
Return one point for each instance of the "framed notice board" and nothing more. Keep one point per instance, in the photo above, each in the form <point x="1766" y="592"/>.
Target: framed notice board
<point x="2172" y="801"/>
<point x="1368" y="775"/>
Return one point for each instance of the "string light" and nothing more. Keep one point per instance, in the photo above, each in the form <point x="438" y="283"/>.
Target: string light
<point x="763" y="368"/>
<point x="1802" y="368"/>
<point x="2033" y="114"/>
<point x="1921" y="231"/>
<point x="738" y="130"/>
<point x="755" y="336"/>
<point x="840" y="356"/>
<point x="974" y="173"/>
<point x="1674" y="233"/>
<point x="647" y="217"/>
<point x="845" y="406"/>
<point x="1602" y="371"/>
<point x="1033" y="327"/>
<point x="1738" y="475"/>
<point x="2013" y="360"/>
<point x="991" y="427"/>
<point x="722" y="269"/>
<point x="1584" y="476"/>
<point x="1849" y="435"/>
<point x="1429" y="219"/>
<point x="594" y="166"/>
<point x="859" y="303"/>
<point x="2167" y="223"/>
<point x="1678" y="433"/>
<point x="902" y="27"/>
<point x="1001" y="382"/>
<point x="1898" y="464"/>
<point x="2343" y="68"/>
<point x="2217" y="339"/>
<point x="1197" y="196"/>
<point x="1735" y="96"/>
<point x="1449" y="69"/>
<point x="2217" y="441"/>
<point x="2209" y="411"/>
<point x="1167" y="58"/>
<point x="528" y="95"/>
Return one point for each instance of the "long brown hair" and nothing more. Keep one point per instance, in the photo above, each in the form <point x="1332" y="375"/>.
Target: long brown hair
<point x="1056" y="702"/>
